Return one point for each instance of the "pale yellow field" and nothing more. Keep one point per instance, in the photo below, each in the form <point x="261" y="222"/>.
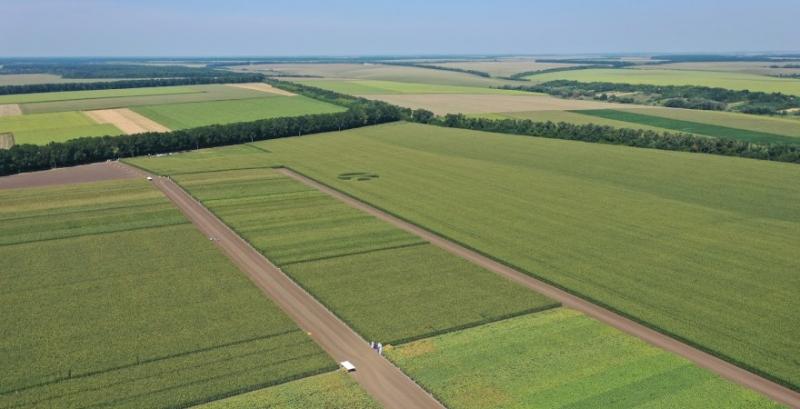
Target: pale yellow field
<point x="126" y="120"/>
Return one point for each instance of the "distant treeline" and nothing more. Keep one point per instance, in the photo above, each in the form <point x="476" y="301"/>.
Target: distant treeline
<point x="441" y="68"/>
<point x="583" y="64"/>
<point x="675" y="96"/>
<point x="676" y="58"/>
<point x="361" y="112"/>
<point x="104" y="70"/>
<point x="223" y="78"/>
<point x="606" y="63"/>
<point x="618" y="136"/>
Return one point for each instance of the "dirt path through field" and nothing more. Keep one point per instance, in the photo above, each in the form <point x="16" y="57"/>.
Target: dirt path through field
<point x="725" y="369"/>
<point x="10" y="110"/>
<point x="126" y="120"/>
<point x="260" y="86"/>
<point x="95" y="172"/>
<point x="382" y="380"/>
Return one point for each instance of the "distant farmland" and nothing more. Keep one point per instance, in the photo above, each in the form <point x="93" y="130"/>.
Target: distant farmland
<point x="561" y="359"/>
<point x="40" y="129"/>
<point x="110" y="298"/>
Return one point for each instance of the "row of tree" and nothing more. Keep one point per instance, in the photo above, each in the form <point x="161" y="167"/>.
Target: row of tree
<point x="361" y="112"/>
<point x="222" y="78"/>
<point x="441" y="68"/>
<point x="108" y="70"/>
<point x="618" y="136"/>
<point x="677" y="96"/>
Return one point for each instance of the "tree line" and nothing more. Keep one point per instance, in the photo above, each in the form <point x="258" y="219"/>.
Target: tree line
<point x="221" y="78"/>
<point x="675" y="96"/>
<point x="639" y="138"/>
<point x="85" y="70"/>
<point x="361" y="112"/>
<point x="441" y="68"/>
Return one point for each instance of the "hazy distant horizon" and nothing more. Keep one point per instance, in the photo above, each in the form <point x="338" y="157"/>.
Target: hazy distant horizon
<point x="237" y="28"/>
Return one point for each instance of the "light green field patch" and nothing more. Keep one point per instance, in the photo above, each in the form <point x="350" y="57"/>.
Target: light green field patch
<point x="206" y="160"/>
<point x="191" y="115"/>
<point x="92" y="94"/>
<point x="561" y="359"/>
<point x="730" y="80"/>
<point x="43" y="128"/>
<point x="374" y="87"/>
<point x="326" y="391"/>
<point x="122" y="303"/>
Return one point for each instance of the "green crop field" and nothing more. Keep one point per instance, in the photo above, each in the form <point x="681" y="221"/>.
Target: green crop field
<point x="25" y="79"/>
<point x="43" y="128"/>
<point x="730" y="80"/>
<point x="561" y="359"/>
<point x="110" y="298"/>
<point x="573" y="117"/>
<point x="376" y="87"/>
<point x="244" y="156"/>
<point x="386" y="284"/>
<point x="700" y="246"/>
<point x="326" y="391"/>
<point x="181" y="116"/>
<point x="787" y="126"/>
<point x="214" y="92"/>
<point x="716" y="131"/>
<point x="104" y="93"/>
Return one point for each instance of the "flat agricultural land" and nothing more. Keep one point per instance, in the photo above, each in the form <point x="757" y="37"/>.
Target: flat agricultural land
<point x="26" y="79"/>
<point x="10" y="110"/>
<point x="110" y="298"/>
<point x="484" y="103"/>
<point x="749" y="67"/>
<point x="503" y="68"/>
<point x="126" y="120"/>
<point x="191" y="115"/>
<point x="679" y="125"/>
<point x="379" y="72"/>
<point x="386" y="284"/>
<point x="776" y="125"/>
<point x="93" y="94"/>
<point x="730" y="80"/>
<point x="573" y="117"/>
<point x="260" y="86"/>
<point x="561" y="359"/>
<point x="380" y="87"/>
<point x="702" y="247"/>
<point x="326" y="391"/>
<point x="40" y="129"/>
<point x="213" y="92"/>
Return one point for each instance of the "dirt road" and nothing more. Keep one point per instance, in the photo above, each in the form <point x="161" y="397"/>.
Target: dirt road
<point x="94" y="172"/>
<point x="725" y="369"/>
<point x="382" y="380"/>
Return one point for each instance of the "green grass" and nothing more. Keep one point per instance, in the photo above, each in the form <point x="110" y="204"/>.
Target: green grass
<point x="123" y="304"/>
<point x="386" y="284"/>
<point x="690" y="127"/>
<point x="326" y="391"/>
<point x="41" y="129"/>
<point x="190" y="115"/>
<point x="700" y="246"/>
<point x="213" y="92"/>
<point x="105" y="93"/>
<point x="787" y="126"/>
<point x="376" y="87"/>
<point x="561" y="359"/>
<point x="730" y="80"/>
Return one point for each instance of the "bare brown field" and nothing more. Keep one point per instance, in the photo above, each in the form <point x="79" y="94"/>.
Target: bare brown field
<point x="10" y="110"/>
<point x="6" y="140"/>
<point x="442" y="104"/>
<point x="126" y="120"/>
<point x="260" y="86"/>
<point x="94" y="172"/>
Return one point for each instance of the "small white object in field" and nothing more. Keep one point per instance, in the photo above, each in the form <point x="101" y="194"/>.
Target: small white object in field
<point x="149" y="178"/>
<point x="348" y="366"/>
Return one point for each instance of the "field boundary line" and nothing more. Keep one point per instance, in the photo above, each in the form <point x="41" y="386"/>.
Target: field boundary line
<point x="96" y="234"/>
<point x="377" y="375"/>
<point x="357" y="253"/>
<point x="728" y="369"/>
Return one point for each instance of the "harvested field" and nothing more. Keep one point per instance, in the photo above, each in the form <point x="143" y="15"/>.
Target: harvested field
<point x="474" y="104"/>
<point x="10" y="110"/>
<point x="77" y="174"/>
<point x="6" y="140"/>
<point x="562" y="359"/>
<point x="260" y="86"/>
<point x="126" y="120"/>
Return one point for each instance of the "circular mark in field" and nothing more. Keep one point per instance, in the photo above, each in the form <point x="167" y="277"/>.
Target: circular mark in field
<point x="358" y="176"/>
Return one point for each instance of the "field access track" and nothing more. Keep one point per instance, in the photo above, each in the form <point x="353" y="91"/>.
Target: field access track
<point x="723" y="368"/>
<point x="382" y="380"/>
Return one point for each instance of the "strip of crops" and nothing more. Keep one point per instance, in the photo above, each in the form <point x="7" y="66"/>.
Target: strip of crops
<point x="117" y="305"/>
<point x="385" y="283"/>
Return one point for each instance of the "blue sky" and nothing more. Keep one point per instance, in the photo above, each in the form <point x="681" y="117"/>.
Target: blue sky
<point x="360" y="27"/>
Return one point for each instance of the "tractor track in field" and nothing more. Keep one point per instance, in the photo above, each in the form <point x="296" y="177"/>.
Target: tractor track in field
<point x="727" y="370"/>
<point x="379" y="378"/>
